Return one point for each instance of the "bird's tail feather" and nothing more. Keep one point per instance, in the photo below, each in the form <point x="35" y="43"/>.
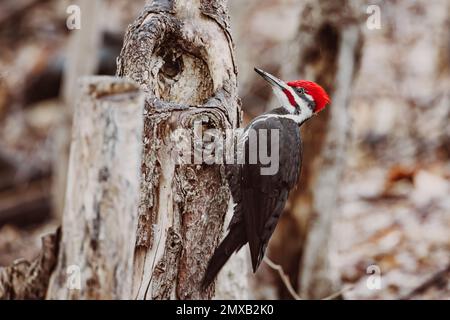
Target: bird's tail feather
<point x="232" y="243"/>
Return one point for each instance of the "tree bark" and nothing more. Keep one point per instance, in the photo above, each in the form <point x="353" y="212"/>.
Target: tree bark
<point x="329" y="45"/>
<point x="181" y="54"/>
<point x="100" y="216"/>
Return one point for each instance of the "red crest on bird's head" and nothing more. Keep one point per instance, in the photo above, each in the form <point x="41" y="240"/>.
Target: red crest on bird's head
<point x="318" y="93"/>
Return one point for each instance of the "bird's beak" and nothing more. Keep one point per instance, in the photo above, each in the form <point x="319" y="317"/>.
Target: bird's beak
<point x="273" y="81"/>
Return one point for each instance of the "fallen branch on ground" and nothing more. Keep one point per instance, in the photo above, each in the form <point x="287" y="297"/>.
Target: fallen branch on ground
<point x="284" y="277"/>
<point x="437" y="280"/>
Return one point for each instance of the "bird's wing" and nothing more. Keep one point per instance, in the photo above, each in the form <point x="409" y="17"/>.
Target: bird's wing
<point x="263" y="196"/>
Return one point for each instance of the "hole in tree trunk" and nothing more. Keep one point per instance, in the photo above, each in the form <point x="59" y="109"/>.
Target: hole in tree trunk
<point x="173" y="64"/>
<point x="183" y="77"/>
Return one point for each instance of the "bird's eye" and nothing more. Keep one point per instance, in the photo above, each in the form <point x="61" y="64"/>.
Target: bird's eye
<point x="301" y="91"/>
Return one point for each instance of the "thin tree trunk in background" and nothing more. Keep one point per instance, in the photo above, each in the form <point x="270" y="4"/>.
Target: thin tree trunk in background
<point x="82" y="60"/>
<point x="318" y="280"/>
<point x="328" y="51"/>
<point x="100" y="216"/>
<point x="181" y="53"/>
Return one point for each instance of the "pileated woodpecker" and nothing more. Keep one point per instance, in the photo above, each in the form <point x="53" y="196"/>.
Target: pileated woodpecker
<point x="260" y="199"/>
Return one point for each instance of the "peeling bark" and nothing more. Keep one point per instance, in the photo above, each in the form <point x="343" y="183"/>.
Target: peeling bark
<point x="181" y="54"/>
<point x="100" y="215"/>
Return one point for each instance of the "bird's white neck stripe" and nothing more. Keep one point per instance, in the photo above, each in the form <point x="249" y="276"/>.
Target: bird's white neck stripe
<point x="297" y="118"/>
<point x="294" y="117"/>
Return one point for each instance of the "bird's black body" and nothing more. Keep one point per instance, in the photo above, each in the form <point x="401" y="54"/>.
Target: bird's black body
<point x="259" y="199"/>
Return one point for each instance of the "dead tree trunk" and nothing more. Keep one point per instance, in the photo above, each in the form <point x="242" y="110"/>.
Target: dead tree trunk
<point x="181" y="53"/>
<point x="100" y="216"/>
<point x="329" y="45"/>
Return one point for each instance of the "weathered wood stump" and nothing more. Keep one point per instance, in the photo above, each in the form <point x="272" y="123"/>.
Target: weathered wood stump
<point x="95" y="259"/>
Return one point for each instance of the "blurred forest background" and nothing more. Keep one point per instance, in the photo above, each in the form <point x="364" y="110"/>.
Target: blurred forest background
<point x="393" y="207"/>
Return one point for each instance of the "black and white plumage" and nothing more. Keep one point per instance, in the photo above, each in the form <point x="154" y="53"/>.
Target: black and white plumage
<point x="259" y="199"/>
